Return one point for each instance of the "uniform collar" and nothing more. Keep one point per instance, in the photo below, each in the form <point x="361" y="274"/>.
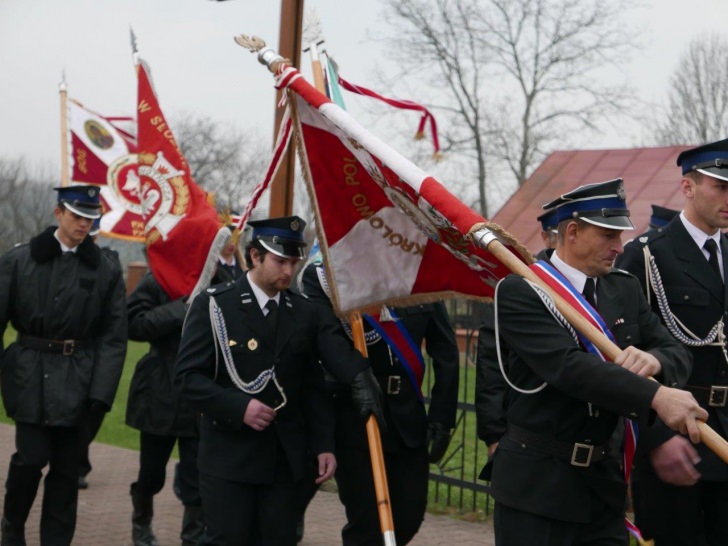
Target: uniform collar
<point x="574" y="276"/>
<point x="64" y="248"/>
<point x="698" y="235"/>
<point x="261" y="297"/>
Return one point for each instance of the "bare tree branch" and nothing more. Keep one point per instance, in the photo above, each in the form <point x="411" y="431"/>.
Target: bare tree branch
<point x="697" y="103"/>
<point x="516" y="77"/>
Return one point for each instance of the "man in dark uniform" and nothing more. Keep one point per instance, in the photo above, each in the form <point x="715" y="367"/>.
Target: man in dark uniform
<point x="552" y="482"/>
<point x="413" y="437"/>
<point x="490" y="387"/>
<point x="229" y="267"/>
<point x="681" y="491"/>
<point x="661" y="216"/>
<point x="252" y="370"/>
<point x="65" y="298"/>
<point x="156" y="409"/>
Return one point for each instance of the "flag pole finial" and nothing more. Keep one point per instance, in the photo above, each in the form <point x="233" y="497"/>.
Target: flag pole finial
<point x="266" y="55"/>
<point x="133" y="41"/>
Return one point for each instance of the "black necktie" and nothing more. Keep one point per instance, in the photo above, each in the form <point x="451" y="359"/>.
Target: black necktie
<point x="272" y="316"/>
<point x="712" y="248"/>
<point x="589" y="292"/>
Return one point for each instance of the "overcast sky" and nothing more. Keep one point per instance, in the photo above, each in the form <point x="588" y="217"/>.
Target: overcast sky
<point x="197" y="68"/>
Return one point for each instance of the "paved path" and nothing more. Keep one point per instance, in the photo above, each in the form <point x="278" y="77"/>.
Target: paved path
<point x="104" y="510"/>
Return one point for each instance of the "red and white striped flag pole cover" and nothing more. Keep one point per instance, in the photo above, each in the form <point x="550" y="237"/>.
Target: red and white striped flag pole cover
<point x="391" y="233"/>
<point x="180" y="224"/>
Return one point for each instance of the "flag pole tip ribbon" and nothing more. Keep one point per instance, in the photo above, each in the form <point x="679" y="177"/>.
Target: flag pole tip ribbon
<point x="419" y="135"/>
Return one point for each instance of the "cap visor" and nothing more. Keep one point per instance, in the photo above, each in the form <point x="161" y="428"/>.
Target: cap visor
<point x="91" y="213"/>
<point x="716" y="172"/>
<point x="293" y="250"/>
<point x="615" y="222"/>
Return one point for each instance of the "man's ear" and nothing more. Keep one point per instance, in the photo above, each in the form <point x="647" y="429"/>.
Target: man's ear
<point x="572" y="228"/>
<point x="687" y="187"/>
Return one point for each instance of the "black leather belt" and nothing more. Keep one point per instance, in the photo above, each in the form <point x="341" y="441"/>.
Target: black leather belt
<point x="64" y="347"/>
<point x="576" y="454"/>
<point x="714" y="396"/>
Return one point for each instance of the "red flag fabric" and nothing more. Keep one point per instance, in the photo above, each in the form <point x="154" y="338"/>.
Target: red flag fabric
<point x="391" y="233"/>
<point x="103" y="153"/>
<point x="180" y="223"/>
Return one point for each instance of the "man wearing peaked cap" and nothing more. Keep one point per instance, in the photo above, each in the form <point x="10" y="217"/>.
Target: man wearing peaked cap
<point x="249" y="362"/>
<point x="661" y="216"/>
<point x="555" y="477"/>
<point x="549" y="234"/>
<point x="680" y="490"/>
<point x="65" y="298"/>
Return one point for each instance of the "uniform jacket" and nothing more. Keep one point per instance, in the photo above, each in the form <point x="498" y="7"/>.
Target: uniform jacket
<point x="406" y="416"/>
<point x="229" y="449"/>
<point x="540" y="349"/>
<point x="50" y="295"/>
<point x="155" y="404"/>
<point x="490" y="386"/>
<point x="698" y="298"/>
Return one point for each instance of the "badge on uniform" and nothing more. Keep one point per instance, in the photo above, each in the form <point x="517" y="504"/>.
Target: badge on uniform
<point x="252" y="344"/>
<point x="232" y="343"/>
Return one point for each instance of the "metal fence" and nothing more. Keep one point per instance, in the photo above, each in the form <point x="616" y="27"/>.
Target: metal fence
<point x="454" y="481"/>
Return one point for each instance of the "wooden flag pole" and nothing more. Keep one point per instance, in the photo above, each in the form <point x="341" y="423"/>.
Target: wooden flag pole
<point x="313" y="39"/>
<point x="485" y="238"/>
<point x="381" y="488"/>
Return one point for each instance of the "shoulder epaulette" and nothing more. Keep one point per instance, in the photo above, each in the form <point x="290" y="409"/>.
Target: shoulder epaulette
<point x="220" y="288"/>
<point x="621" y="272"/>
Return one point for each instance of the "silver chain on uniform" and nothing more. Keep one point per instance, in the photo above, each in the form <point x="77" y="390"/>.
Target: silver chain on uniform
<point x="716" y="335"/>
<point x="220" y="332"/>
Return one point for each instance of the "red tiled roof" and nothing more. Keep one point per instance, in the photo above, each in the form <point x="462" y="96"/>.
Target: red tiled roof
<point x="650" y="175"/>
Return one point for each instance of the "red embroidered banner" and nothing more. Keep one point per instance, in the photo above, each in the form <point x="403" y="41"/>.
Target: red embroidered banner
<point x="103" y="153"/>
<point x="180" y="223"/>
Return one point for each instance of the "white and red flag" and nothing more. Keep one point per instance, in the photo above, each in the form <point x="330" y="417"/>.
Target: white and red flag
<point x="180" y="224"/>
<point x="391" y="233"/>
<point x="103" y="152"/>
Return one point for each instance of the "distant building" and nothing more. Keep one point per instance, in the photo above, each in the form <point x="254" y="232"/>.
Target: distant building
<point x="650" y="175"/>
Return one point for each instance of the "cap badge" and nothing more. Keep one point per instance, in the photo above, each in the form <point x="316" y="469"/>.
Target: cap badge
<point x="620" y="193"/>
<point x="295" y="225"/>
<point x="92" y="192"/>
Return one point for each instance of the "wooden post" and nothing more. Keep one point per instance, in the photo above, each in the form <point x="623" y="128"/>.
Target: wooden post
<point x="289" y="46"/>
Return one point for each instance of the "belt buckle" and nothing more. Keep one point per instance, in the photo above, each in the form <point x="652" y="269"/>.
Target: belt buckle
<point x="68" y="346"/>
<point x="718" y="396"/>
<point x="394" y="384"/>
<point x="577" y="455"/>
